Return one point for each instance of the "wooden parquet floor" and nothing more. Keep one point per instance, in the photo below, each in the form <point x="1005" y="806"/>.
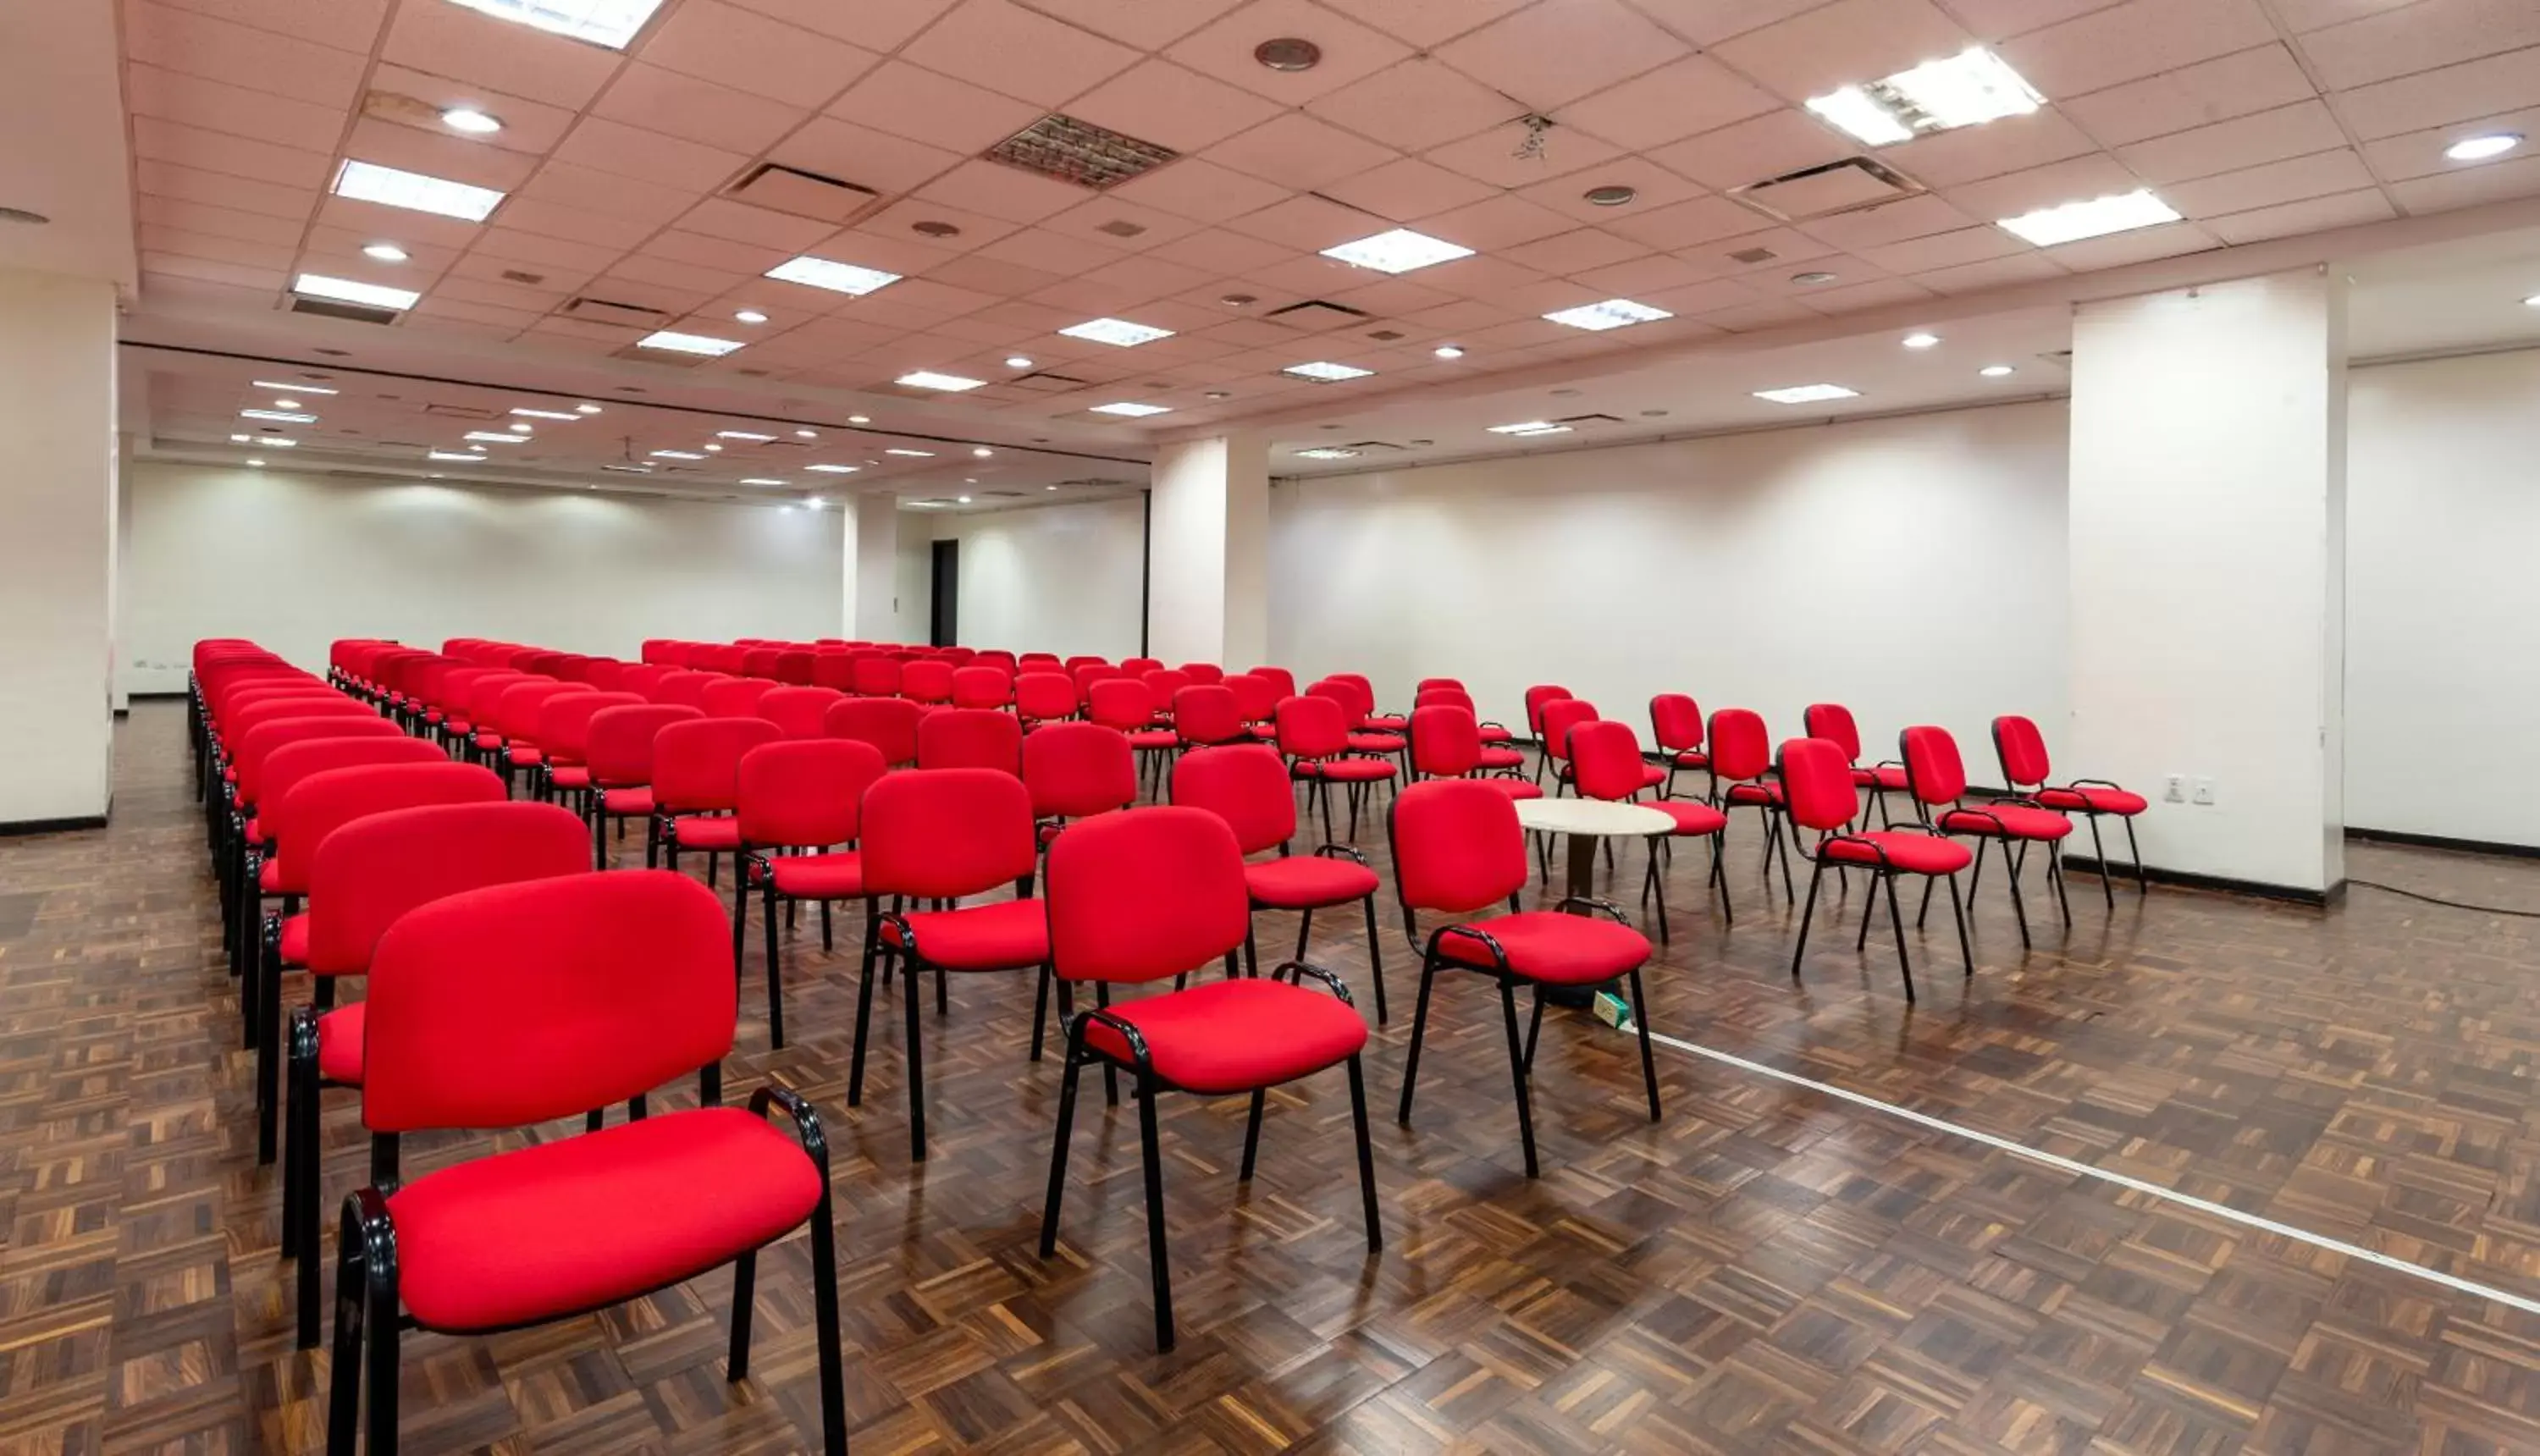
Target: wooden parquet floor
<point x="1766" y="1269"/>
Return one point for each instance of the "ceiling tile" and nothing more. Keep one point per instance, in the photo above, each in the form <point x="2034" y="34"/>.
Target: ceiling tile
<point x="868" y="158"/>
<point x="1105" y="219"/>
<point x="1219" y="252"/>
<point x="234" y="155"/>
<point x="1488" y="279"/>
<point x="1165" y="103"/>
<point x="1875" y="294"/>
<point x="2128" y="41"/>
<point x="1306" y="275"/>
<point x="2311" y="214"/>
<point x="1788" y="250"/>
<point x="688" y="279"/>
<point x="511" y="244"/>
<point x="873" y="25"/>
<point x="1200" y="190"/>
<point x="2316" y="175"/>
<point x="1416" y="105"/>
<point x="483" y="265"/>
<point x="467" y="46"/>
<point x="1002" y="192"/>
<point x="1395" y="298"/>
<point x="200" y="45"/>
<point x="1018" y="52"/>
<point x="261" y="280"/>
<point x="345" y="25"/>
<point x="983" y="274"/>
<point x="1496" y="222"/>
<point x="1139" y="23"/>
<point x="715" y="42"/>
<point x="218" y="222"/>
<point x="695" y="111"/>
<point x="179" y="243"/>
<point x="1577" y="252"/>
<point x="1306" y="223"/>
<point x="529" y="128"/>
<point x="1893" y="222"/>
<point x="2200" y="94"/>
<point x="1407" y="189"/>
<point x="190" y="185"/>
<point x="2021" y="267"/>
<point x="1427" y="23"/>
<point x="438" y="154"/>
<point x="2013" y="144"/>
<point x="739" y="222"/>
<point x="1685" y="224"/>
<point x="2141" y="245"/>
<point x="1642" y="277"/>
<point x="2052" y="185"/>
<point x="1350" y="52"/>
<point x="1559" y="50"/>
<point x="1751" y="151"/>
<point x="2419" y="38"/>
<point x="1973" y="245"/>
<point x="611" y="146"/>
<point x="2300" y="16"/>
<point x="174" y="96"/>
<point x="573" y="224"/>
<point x="2470" y="92"/>
<point x="1844" y="44"/>
<point x="2297" y="131"/>
<point x="898" y="220"/>
<point x="1510" y="156"/>
<point x="940" y="111"/>
<point x="1296" y="151"/>
<point x="1148" y="277"/>
<point x="900" y="252"/>
<point x="1653" y="187"/>
<point x="1992" y="20"/>
<point x="1710" y="21"/>
<point x="1677" y="100"/>
<point x="1053" y="252"/>
<point x="608" y="192"/>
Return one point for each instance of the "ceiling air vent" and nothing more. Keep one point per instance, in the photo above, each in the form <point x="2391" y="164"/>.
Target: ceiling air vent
<point x="327" y="308"/>
<point x="1098" y="480"/>
<point x="1366" y="447"/>
<point x="1079" y="152"/>
<point x="606" y="311"/>
<point x="801" y="193"/>
<point x="1753" y="255"/>
<point x="522" y="276"/>
<point x="1576" y="419"/>
<point x="462" y="412"/>
<point x="1000" y="495"/>
<point x="629" y="470"/>
<point x="1848" y="186"/>
<point x="1043" y="382"/>
<point x="1315" y="314"/>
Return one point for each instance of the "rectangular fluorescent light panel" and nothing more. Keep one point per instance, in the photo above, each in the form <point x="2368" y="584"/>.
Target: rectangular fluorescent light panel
<point x="1327" y="453"/>
<point x="1856" y="113"/>
<point x="1397" y="251"/>
<point x="345" y="290"/>
<point x="545" y="414"/>
<point x="845" y="278"/>
<point x="455" y="456"/>
<point x="489" y="436"/>
<point x="676" y="454"/>
<point x="834" y="470"/>
<point x="763" y="481"/>
<point x="2122" y="212"/>
<point x="741" y="435"/>
<point x="1527" y="427"/>
<point x="1611" y="313"/>
<point x="927" y="379"/>
<point x="367" y="181"/>
<point x="1324" y="372"/>
<point x="1969" y="89"/>
<point x="292" y="388"/>
<point x="276" y="441"/>
<point x="922" y="454"/>
<point x="1807" y="393"/>
<point x="278" y="416"/>
<point x="1132" y="410"/>
<point x="1116" y="332"/>
<point x="609" y="23"/>
<point x="687" y="343"/>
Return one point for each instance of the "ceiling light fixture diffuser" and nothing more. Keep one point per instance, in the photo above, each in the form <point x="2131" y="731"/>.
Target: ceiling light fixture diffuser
<point x="2481" y="148"/>
<point x="367" y="181"/>
<point x="687" y="343"/>
<point x="836" y="277"/>
<point x="545" y="414"/>
<point x="2120" y="212"/>
<point x="749" y="435"/>
<point x="293" y="388"/>
<point x="471" y="120"/>
<point x="1132" y="410"/>
<point x="927" y="379"/>
<point x="1398" y="251"/>
<point x="457" y="456"/>
<point x="1611" y="313"/>
<point x="1324" y="372"/>
<point x="1118" y="332"/>
<point x="1969" y="89"/>
<point x="492" y="437"/>
<point x="1807" y="393"/>
<point x="834" y="470"/>
<point x="347" y="290"/>
<point x="609" y="23"/>
<point x="277" y="416"/>
<point x="919" y="455"/>
<point x="1327" y="453"/>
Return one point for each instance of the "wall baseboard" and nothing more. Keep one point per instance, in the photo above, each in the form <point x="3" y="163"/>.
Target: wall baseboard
<point x="172" y="693"/>
<point x="2445" y="842"/>
<point x="52" y="826"/>
<point x="2220" y="883"/>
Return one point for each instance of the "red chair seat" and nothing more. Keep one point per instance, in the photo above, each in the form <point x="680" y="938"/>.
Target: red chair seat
<point x="1346" y="770"/>
<point x="1382" y="743"/>
<point x="1918" y="853"/>
<point x="832" y="876"/>
<point x="569" y="776"/>
<point x="339" y="1045"/>
<point x="1232" y="1036"/>
<point x="256" y="831"/>
<point x="1006" y="936"/>
<point x="594" y="1220"/>
<point x="630" y="802"/>
<point x="1492" y="733"/>
<point x="489" y="742"/>
<point x="459" y="726"/>
<point x="1548" y="946"/>
<point x="1752" y="793"/>
<point x="705" y="832"/>
<point x="2093" y="800"/>
<point x="1881" y="776"/>
<point x="1154" y="738"/>
<point x="1514" y="788"/>
<point x="1692" y="816"/>
<point x="295" y="940"/>
<point x="268" y="877"/>
<point x="1268" y="732"/>
<point x="2007" y="821"/>
<point x="1500" y="758"/>
<point x="1693" y="758"/>
<point x="433" y="718"/>
<point x="1386" y="722"/>
<point x="1304" y="882"/>
<point x="522" y="758"/>
<point x="1652" y="776"/>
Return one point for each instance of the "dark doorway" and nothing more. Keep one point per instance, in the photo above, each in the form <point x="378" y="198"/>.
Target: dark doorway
<point x="946" y="627"/>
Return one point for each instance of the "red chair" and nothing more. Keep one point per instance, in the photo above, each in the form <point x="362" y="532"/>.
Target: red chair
<point x="620" y="760"/>
<point x="1457" y="849"/>
<point x="877" y="676"/>
<point x="941" y="835"/>
<point x="1125" y="703"/>
<point x="927" y="681"/>
<point x="389" y="843"/>
<point x="1207" y="714"/>
<point x="1452" y="695"/>
<point x="1161" y="683"/>
<point x="1559" y="717"/>
<point x="758" y="660"/>
<point x="1357" y="704"/>
<point x="1140" y="666"/>
<point x="1139" y="896"/>
<point x="1675" y="726"/>
<point x="1076" y="770"/>
<point x="1819" y="781"/>
<point x="1247" y="786"/>
<point x="1605" y="758"/>
<point x="982" y="686"/>
<point x="1938" y="778"/>
<point x="1085" y="674"/>
<point x="835" y="668"/>
<point x="1371" y="721"/>
<point x="1281" y="680"/>
<point x="1045" y="697"/>
<point x="889" y="725"/>
<point x="971" y="739"/>
<point x="793" y="666"/>
<point x="685" y="688"/>
<point x="696" y="784"/>
<point x="1313" y="732"/>
<point x="796" y="802"/>
<point x="1741" y="767"/>
<point x="1535" y="699"/>
<point x="2025" y="769"/>
<point x="801" y="712"/>
<point x="735" y="697"/>
<point x="244" y="830"/>
<point x="1832" y="721"/>
<point x="567" y="994"/>
<point x="1447" y="743"/>
<point x="564" y="737"/>
<point x="1203" y="674"/>
<point x="1256" y="702"/>
<point x="514" y="746"/>
<point x="1039" y="663"/>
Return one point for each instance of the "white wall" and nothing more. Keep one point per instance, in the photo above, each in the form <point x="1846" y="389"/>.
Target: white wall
<point x="1059" y="579"/>
<point x="1210" y="520"/>
<point x="1911" y="569"/>
<point x="297" y="561"/>
<point x="2444" y="598"/>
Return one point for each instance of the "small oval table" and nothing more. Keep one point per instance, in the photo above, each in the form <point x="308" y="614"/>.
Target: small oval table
<point x="1586" y="822"/>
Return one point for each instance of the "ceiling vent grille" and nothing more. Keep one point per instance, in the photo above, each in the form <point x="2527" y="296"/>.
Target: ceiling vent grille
<point x="1098" y="480"/>
<point x="1079" y="152"/>
<point x="801" y="193"/>
<point x="607" y="311"/>
<point x="462" y="412"/>
<point x="1848" y="186"/>
<point x="327" y="308"/>
<point x="1043" y="382"/>
<point x="1316" y="314"/>
<point x="1366" y="447"/>
<point x="1577" y="420"/>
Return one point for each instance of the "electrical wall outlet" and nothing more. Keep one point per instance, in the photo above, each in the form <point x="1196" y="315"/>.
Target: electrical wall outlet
<point x="2205" y="791"/>
<point x="2174" y="789"/>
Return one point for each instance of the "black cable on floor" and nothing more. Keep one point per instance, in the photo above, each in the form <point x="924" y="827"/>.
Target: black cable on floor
<point x="2374" y="885"/>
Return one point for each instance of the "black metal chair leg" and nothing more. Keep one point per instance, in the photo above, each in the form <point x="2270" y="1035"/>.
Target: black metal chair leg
<point x="745" y="1279"/>
<point x="1304" y="928"/>
<point x="344" y="1382"/>
<point x="1365" y="1156"/>
<point x="1517" y="1074"/>
<point x="2019" y="905"/>
<point x="775" y="957"/>
<point x="2099" y="853"/>
<point x="1869" y="908"/>
<point x="1657" y="887"/>
<point x="2055" y="873"/>
<point x="1374" y="958"/>
<point x="1075" y="1059"/>
<point x="1419" y="1026"/>
<point x="829" y="942"/>
<point x="1896" y="920"/>
<point x="1040" y="1010"/>
<point x="916" y="1065"/>
<point x="1959" y="913"/>
<point x="1153" y="1157"/>
<point x="1252" y="1132"/>
<point x="380" y="1283"/>
<point x="864" y="1003"/>
<point x="1816" y="877"/>
<point x="1649" y="1061"/>
<point x="2143" y="886"/>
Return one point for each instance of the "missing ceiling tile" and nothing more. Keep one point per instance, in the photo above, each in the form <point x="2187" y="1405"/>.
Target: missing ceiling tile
<point x="1318" y="314"/>
<point x="1079" y="152"/>
<point x="1849" y="185"/>
<point x="609" y="310"/>
<point x="806" y="194"/>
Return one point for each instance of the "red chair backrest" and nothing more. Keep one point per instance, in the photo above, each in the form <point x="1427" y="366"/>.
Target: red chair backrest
<point x="1075" y="769"/>
<point x="889" y="725"/>
<point x="452" y="693"/>
<point x="835" y="668"/>
<point x="1040" y="661"/>
<point x="876" y="675"/>
<point x="378" y="865"/>
<point x="1833" y="722"/>
<point x="1085" y="674"/>
<point x="971" y="739"/>
<point x="619" y="749"/>
<point x="1256" y="698"/>
<point x="1457" y="846"/>
<point x="1535" y="698"/>
<point x="1447" y="697"/>
<point x="260" y="742"/>
<point x="927" y="680"/>
<point x="515" y="712"/>
<point x="1445" y="741"/>
<point x="324" y="803"/>
<point x="287" y="766"/>
<point x="1605" y="760"/>
<point x="525" y="1002"/>
<point x="1203" y="673"/>
<point x="805" y="793"/>
<point x="978" y="686"/>
<point x="563" y="729"/>
<point x="1122" y="703"/>
<point x="1934" y="772"/>
<point x="1280" y="678"/>
<point x="801" y="712"/>
<point x="945" y="833"/>
<point x="1164" y="682"/>
<point x="485" y="699"/>
<point x="734" y="697"/>
<point x="1145" y="894"/>
<point x="1245" y="785"/>
<point x="793" y="666"/>
<point x="685" y="688"/>
<point x="696" y="766"/>
<point x="1312" y="726"/>
<point x="1817" y="784"/>
<point x="1084" y="659"/>
<point x="1675" y="723"/>
<point x="1206" y="713"/>
<point x="644" y="677"/>
<point x="1741" y="749"/>
<point x="2022" y="750"/>
<point x="1140" y="666"/>
<point x="1560" y="716"/>
<point x="1040" y="697"/>
<point x="760" y="661"/>
<point x="1427" y="683"/>
<point x="1353" y="694"/>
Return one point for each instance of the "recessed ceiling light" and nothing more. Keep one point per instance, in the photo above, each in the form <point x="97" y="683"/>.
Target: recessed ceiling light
<point x="711" y="446"/>
<point x="1049" y="487"/>
<point x="687" y="343"/>
<point x="386" y="252"/>
<point x="1530" y="427"/>
<point x="807" y="434"/>
<point x="365" y="181"/>
<point x="1327" y="453"/>
<point x="676" y="454"/>
<point x="1856" y="113"/>
<point x="279" y="417"/>
<point x="750" y="316"/>
<point x="1116" y="332"/>
<point x="1611" y="313"/>
<point x="459" y="456"/>
<point x="1288" y="53"/>
<point x="1018" y="361"/>
<point x="1240" y="300"/>
<point x="1813" y="279"/>
<point x="545" y="414"/>
<point x="2533" y="301"/>
<point x="845" y="278"/>
<point x="1132" y="410"/>
<point x="927" y="379"/>
<point x="276" y="441"/>
<point x="2120" y="212"/>
<point x="763" y="481"/>
<point x="920" y="455"/>
<point x="1217" y="395"/>
<point x="471" y="120"/>
<point x="1449" y="351"/>
<point x="749" y="435"/>
<point x="834" y="470"/>
<point x="1326" y="373"/>
<point x="1398" y="251"/>
<point x="1995" y="370"/>
<point x="981" y="451"/>
<point x="2480" y="148"/>
<point x="347" y="290"/>
<point x="522" y="427"/>
<point x="586" y="409"/>
<point x="292" y="388"/>
<point x="492" y="437"/>
<point x="1969" y="89"/>
<point x="609" y="23"/>
<point x="964" y="500"/>
<point x="255" y="462"/>
<point x="286" y="404"/>
<point x="1610" y="195"/>
<point x="1919" y="340"/>
<point x="859" y="419"/>
<point x="1807" y="393"/>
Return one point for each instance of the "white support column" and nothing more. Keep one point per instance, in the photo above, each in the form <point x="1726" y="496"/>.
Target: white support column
<point x="57" y="515"/>
<point x="1207" y="544"/>
<point x="2207" y="572"/>
<point x="871" y="610"/>
<point x="121" y="674"/>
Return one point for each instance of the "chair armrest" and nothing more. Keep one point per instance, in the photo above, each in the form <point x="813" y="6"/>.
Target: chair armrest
<point x="1343" y="852"/>
<point x="1498" y="955"/>
<point x="1128" y="1030"/>
<point x="807" y="1121"/>
<point x="1608" y="907"/>
<point x="2095" y="783"/>
<point x="1300" y="970"/>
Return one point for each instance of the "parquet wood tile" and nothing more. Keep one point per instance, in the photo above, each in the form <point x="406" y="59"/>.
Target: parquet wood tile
<point x="1767" y="1270"/>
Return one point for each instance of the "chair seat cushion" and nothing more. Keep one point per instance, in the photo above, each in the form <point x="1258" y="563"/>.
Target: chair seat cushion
<point x="489" y="742"/>
<point x="1386" y="722"/>
<point x="1231" y="1036"/>
<point x="1549" y="946"/>
<point x="1692" y="758"/>
<point x="626" y="803"/>
<point x="589" y="1220"/>
<point x="1005" y="936"/>
<point x="339" y="1044"/>
<point x="706" y="832"/>
<point x="295" y="940"/>
<point x="268" y="877"/>
<point x="1514" y="788"/>
<point x="1346" y="770"/>
<point x="1154" y="738"/>
<point x="256" y="832"/>
<point x="1692" y="816"/>
<point x="1304" y="882"/>
<point x="1384" y="743"/>
<point x="2093" y="800"/>
<point x="1918" y="853"/>
<point x="522" y="757"/>
<point x="569" y="776"/>
<point x="1742" y="794"/>
<point x="1500" y="758"/>
<point x="1492" y="733"/>
<point x="459" y="726"/>
<point x="2007" y="821"/>
<point x="839" y="875"/>
<point x="1879" y="776"/>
